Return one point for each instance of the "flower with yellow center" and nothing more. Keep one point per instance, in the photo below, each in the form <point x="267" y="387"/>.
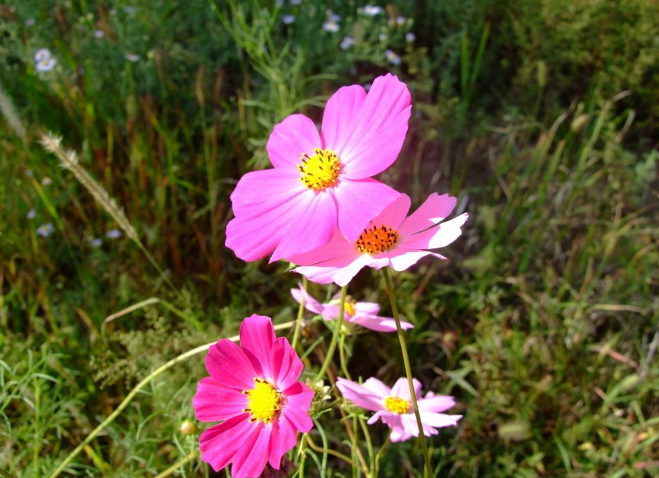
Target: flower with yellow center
<point x="320" y="171"/>
<point x="375" y="240"/>
<point x="263" y="401"/>
<point x="397" y="405"/>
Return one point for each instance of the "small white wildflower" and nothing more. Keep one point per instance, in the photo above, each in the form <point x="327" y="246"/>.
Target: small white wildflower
<point x="296" y="2"/>
<point x="46" y="64"/>
<point x="130" y="10"/>
<point x="132" y="57"/>
<point x="347" y="42"/>
<point x="46" y="181"/>
<point x="31" y="214"/>
<point x="401" y="20"/>
<point x="99" y="33"/>
<point x="41" y="54"/>
<point x="113" y="11"/>
<point x="393" y="58"/>
<point x="410" y="37"/>
<point x="333" y="17"/>
<point x="96" y="242"/>
<point x="279" y="3"/>
<point x="113" y="234"/>
<point x="288" y="19"/>
<point x="29" y="22"/>
<point x="371" y="10"/>
<point x="45" y="230"/>
<point x="383" y="37"/>
<point x="331" y="26"/>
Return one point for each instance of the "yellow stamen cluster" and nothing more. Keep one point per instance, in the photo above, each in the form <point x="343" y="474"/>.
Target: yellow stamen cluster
<point x="321" y="170"/>
<point x="375" y="240"/>
<point x="263" y="401"/>
<point x="349" y="307"/>
<point x="397" y="405"/>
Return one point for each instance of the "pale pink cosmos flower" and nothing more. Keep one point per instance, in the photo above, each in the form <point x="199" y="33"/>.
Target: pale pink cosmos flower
<point x="254" y="391"/>
<point x="394" y="406"/>
<point x="321" y="180"/>
<point x="359" y="313"/>
<point x="391" y="239"/>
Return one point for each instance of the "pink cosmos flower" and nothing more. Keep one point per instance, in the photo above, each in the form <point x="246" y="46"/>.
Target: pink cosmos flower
<point x="360" y="313"/>
<point x="321" y="180"/>
<point x="255" y="392"/>
<point x="394" y="406"/>
<point x="391" y="239"/>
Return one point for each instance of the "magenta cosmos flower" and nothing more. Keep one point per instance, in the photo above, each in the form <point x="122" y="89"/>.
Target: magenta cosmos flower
<point x="360" y="313"/>
<point x="391" y="239"/>
<point x="321" y="180"/>
<point x="394" y="406"/>
<point x="255" y="392"/>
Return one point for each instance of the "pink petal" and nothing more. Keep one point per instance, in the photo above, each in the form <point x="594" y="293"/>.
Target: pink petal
<point x="219" y="444"/>
<point x="341" y="112"/>
<point x="360" y="202"/>
<point x="286" y="365"/>
<point x="359" y="395"/>
<point x="375" y="139"/>
<point x="398" y="435"/>
<point x="296" y="410"/>
<point x="402" y="389"/>
<point x="379" y="324"/>
<point x="228" y="364"/>
<point x="258" y="192"/>
<point x="307" y="226"/>
<point x="367" y="308"/>
<point x="434" y="210"/>
<point x="252" y="456"/>
<point x="311" y="304"/>
<point x="340" y="271"/>
<point x="408" y="421"/>
<point x="438" y="236"/>
<point x="214" y="402"/>
<point x="405" y="260"/>
<point x="377" y="387"/>
<point x="331" y="312"/>
<point x="295" y="135"/>
<point x="256" y="338"/>
<point x="394" y="213"/>
<point x="282" y="439"/>
<point x="377" y="416"/>
<point x="436" y="403"/>
<point x="336" y="248"/>
<point x="439" y="420"/>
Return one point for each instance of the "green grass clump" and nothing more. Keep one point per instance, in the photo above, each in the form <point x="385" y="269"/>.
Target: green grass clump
<point x="540" y="116"/>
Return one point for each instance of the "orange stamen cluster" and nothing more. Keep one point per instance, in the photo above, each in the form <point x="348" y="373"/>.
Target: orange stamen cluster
<point x="375" y="240"/>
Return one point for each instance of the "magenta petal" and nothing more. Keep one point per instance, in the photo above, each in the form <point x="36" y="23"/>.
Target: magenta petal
<point x="311" y="304"/>
<point x="282" y="439"/>
<point x="394" y="213"/>
<point x="296" y="409"/>
<point x="214" y="402"/>
<point x="295" y="135"/>
<point x="256" y="338"/>
<point x="341" y="113"/>
<point x="375" y="139"/>
<point x="436" y="403"/>
<point x="307" y="226"/>
<point x="359" y="203"/>
<point x="286" y="365"/>
<point x="359" y="395"/>
<point x="377" y="387"/>
<point x="402" y="389"/>
<point x="379" y="324"/>
<point x="258" y="192"/>
<point x="252" y="456"/>
<point x="340" y="271"/>
<point x="434" y="210"/>
<point x="336" y="248"/>
<point x="228" y="364"/>
<point x="219" y="444"/>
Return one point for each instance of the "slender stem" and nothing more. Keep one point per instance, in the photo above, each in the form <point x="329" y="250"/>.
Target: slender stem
<point x="335" y="337"/>
<point x="408" y="371"/>
<point x="300" y="313"/>
<point x="369" y="444"/>
<point x="191" y="456"/>
<point x="330" y="452"/>
<point x="342" y="356"/>
<point x="135" y="391"/>
<point x="384" y="446"/>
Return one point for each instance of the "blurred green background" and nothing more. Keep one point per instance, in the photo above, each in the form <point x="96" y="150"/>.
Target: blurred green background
<point x="541" y="116"/>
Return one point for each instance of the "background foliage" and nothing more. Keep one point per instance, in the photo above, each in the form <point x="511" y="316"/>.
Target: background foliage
<point x="542" y="116"/>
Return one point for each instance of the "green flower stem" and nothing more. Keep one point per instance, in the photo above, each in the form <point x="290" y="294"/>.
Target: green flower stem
<point x="300" y="313"/>
<point x="191" y="456"/>
<point x="381" y="451"/>
<point x="408" y="371"/>
<point x="369" y="445"/>
<point x="335" y="337"/>
<point x="342" y="356"/>
<point x="330" y="452"/>
<point x="136" y="390"/>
